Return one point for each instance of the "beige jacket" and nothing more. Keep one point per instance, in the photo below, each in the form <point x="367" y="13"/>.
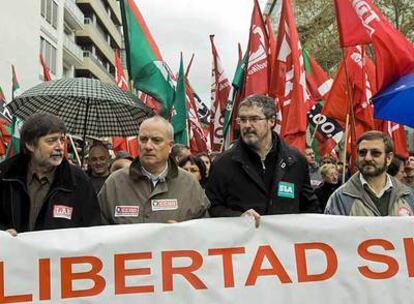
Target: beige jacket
<point x="127" y="197"/>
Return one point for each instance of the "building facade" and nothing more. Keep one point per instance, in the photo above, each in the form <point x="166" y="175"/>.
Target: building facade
<point x="77" y="38"/>
<point x="100" y="36"/>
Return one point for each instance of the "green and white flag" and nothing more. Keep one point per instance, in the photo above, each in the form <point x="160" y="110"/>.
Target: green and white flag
<point x="14" y="145"/>
<point x="179" y="118"/>
<point x="145" y="64"/>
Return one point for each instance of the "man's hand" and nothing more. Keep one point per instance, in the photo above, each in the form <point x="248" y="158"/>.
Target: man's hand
<point x="252" y="212"/>
<point x="12" y="232"/>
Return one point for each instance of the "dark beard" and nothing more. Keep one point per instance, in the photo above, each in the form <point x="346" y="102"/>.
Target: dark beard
<point x="370" y="174"/>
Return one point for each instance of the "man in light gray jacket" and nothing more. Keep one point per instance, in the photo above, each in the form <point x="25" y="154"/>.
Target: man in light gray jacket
<point x="371" y="191"/>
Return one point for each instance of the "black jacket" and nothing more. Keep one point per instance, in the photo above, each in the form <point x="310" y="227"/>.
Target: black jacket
<point x="324" y="192"/>
<point x="237" y="182"/>
<point x="70" y="202"/>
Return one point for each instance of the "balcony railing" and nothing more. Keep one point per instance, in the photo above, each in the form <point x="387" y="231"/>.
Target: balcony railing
<point x="73" y="48"/>
<point x="75" y="14"/>
<point x="88" y="54"/>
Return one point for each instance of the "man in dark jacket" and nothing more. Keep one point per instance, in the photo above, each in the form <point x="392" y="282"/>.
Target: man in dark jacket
<point x="39" y="189"/>
<point x="260" y="174"/>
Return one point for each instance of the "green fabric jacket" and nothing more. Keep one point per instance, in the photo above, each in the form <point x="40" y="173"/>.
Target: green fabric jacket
<point x="128" y="197"/>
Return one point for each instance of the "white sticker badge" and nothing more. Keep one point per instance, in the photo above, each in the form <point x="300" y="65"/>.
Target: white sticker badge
<point x="164" y="204"/>
<point x="62" y="211"/>
<point x="126" y="211"/>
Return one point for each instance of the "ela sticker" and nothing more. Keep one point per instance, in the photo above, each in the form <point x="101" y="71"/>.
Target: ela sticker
<point x="286" y="190"/>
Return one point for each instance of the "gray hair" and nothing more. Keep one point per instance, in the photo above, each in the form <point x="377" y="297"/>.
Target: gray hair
<point x="162" y="120"/>
<point x="266" y="103"/>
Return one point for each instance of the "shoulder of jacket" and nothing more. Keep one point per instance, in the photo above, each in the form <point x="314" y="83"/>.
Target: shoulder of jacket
<point x="185" y="176"/>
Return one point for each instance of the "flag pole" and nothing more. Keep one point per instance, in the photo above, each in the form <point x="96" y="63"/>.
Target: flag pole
<point x="314" y="134"/>
<point x="74" y="150"/>
<point x="350" y="114"/>
<point x="345" y="146"/>
<point x="189" y="66"/>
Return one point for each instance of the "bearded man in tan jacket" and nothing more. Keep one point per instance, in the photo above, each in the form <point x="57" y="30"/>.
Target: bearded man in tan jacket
<point x="153" y="189"/>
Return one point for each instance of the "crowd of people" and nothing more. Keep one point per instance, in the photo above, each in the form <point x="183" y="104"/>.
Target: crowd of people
<point x="259" y="175"/>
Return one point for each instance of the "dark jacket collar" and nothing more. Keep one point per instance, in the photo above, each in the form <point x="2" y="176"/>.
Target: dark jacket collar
<point x="135" y="170"/>
<point x="16" y="169"/>
<point x="279" y="147"/>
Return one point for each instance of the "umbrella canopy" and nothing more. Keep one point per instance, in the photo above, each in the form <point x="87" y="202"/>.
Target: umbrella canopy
<point x="396" y="102"/>
<point x="87" y="106"/>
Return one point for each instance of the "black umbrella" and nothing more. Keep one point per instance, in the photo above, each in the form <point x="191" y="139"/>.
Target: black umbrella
<point x="87" y="106"/>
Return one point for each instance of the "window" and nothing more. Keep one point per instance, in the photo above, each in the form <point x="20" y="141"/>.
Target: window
<point x="49" y="10"/>
<point x="43" y="8"/>
<point x="55" y="14"/>
<point x="49" y="52"/>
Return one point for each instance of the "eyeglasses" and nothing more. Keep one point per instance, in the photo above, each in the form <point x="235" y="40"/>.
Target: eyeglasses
<point x="252" y="119"/>
<point x="374" y="153"/>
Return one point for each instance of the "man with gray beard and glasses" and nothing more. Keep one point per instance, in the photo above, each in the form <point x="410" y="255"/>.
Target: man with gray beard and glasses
<point x="39" y="189"/>
<point x="371" y="191"/>
<point x="260" y="174"/>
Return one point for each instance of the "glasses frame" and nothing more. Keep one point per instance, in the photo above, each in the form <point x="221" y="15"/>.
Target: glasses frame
<point x="251" y="119"/>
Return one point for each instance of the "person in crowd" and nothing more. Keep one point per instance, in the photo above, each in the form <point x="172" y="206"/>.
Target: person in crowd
<point x="260" y="174"/>
<point x="314" y="174"/>
<point x="328" y="159"/>
<point x="409" y="171"/>
<point x="99" y="162"/>
<point x="330" y="183"/>
<point x="179" y="151"/>
<point x="39" y="189"/>
<point x="196" y="167"/>
<point x="371" y="191"/>
<point x="213" y="156"/>
<point x="340" y="167"/>
<point x="153" y="188"/>
<point x="206" y="160"/>
<point x="122" y="160"/>
<point x="397" y="168"/>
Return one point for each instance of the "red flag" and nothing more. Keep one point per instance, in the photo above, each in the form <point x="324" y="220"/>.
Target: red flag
<point x="257" y="72"/>
<point x="240" y="53"/>
<point x="361" y="72"/>
<point x="292" y="94"/>
<point x="272" y="59"/>
<point x="394" y="54"/>
<point x="197" y="141"/>
<point x="119" y="144"/>
<point x="46" y="74"/>
<point x="150" y="102"/>
<point x="318" y="82"/>
<point x="325" y="145"/>
<point x="220" y="90"/>
<point x="187" y="71"/>
<point x="397" y="134"/>
<point x="351" y="32"/>
<point x="4" y="139"/>
<point x="133" y="146"/>
<point x="119" y="73"/>
<point x="129" y="144"/>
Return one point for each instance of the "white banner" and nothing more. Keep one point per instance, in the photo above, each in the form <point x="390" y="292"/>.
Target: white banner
<point x="288" y="259"/>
